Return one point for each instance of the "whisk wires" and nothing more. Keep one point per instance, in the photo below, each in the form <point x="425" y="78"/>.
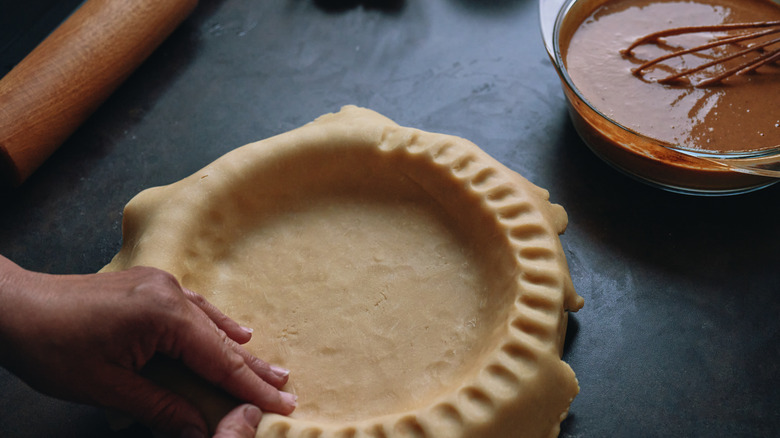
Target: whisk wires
<point x="760" y="29"/>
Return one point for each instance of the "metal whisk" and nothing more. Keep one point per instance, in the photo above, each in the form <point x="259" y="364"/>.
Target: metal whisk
<point x="765" y="52"/>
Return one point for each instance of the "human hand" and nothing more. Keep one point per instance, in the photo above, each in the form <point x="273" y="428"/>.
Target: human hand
<point x="86" y="337"/>
<point x="241" y="422"/>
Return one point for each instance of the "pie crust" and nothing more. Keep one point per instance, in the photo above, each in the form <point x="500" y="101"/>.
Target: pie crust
<point x="414" y="285"/>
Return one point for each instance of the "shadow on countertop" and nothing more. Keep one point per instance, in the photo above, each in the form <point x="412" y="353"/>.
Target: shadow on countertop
<point x="389" y="6"/>
<point x="726" y="233"/>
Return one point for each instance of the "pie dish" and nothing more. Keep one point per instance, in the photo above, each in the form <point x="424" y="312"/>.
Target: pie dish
<point x="413" y="284"/>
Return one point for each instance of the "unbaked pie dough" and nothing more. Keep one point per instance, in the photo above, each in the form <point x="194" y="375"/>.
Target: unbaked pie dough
<point x="415" y="286"/>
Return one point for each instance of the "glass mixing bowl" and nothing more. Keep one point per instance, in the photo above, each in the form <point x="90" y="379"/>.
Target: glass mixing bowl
<point x="668" y="166"/>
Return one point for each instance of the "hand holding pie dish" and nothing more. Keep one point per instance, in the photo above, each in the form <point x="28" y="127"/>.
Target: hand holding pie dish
<point x="415" y="285"/>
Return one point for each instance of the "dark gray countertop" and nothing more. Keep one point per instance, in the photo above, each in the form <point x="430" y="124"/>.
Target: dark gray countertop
<point x="679" y="335"/>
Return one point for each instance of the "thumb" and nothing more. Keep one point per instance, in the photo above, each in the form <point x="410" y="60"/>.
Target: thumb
<point x="241" y="422"/>
<point x="158" y="408"/>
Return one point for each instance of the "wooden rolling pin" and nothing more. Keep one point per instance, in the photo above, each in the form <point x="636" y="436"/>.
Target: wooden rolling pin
<point x="53" y="90"/>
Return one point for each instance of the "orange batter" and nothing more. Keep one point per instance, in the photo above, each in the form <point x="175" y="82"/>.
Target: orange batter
<point x="740" y="114"/>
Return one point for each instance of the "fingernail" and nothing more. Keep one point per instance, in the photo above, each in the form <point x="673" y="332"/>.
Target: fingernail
<point x="279" y="371"/>
<point x="248" y="329"/>
<point x="290" y="399"/>
<point x="192" y="432"/>
<point x="252" y="415"/>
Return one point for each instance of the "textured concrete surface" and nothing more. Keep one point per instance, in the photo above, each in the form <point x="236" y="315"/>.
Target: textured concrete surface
<point x="679" y="333"/>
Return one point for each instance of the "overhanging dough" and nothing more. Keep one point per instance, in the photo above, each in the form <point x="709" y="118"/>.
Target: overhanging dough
<point x="414" y="285"/>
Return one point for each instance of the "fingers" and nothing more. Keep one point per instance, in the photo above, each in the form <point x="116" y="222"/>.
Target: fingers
<point x="203" y="350"/>
<point x="234" y="375"/>
<point x="158" y="408"/>
<point x="235" y="331"/>
<point x="217" y="356"/>
<point x="274" y="375"/>
<point x="241" y="422"/>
